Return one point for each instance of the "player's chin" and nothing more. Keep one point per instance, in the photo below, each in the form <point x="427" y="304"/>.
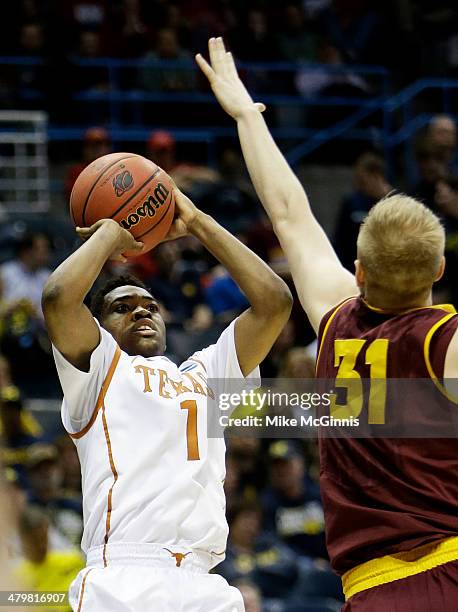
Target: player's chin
<point x="148" y="346"/>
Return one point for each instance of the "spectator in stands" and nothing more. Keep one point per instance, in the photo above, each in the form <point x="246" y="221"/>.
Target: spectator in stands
<point x="23" y="278"/>
<point x="83" y="13"/>
<point x="447" y="197"/>
<point x="89" y="78"/>
<point x="17" y="431"/>
<point x="31" y="39"/>
<point x="167" y="47"/>
<point x="352" y="26"/>
<point x="23" y="338"/>
<point x="96" y="142"/>
<point x="30" y="78"/>
<point x="19" y="13"/>
<point x="370" y="186"/>
<point x="253" y="41"/>
<point x="432" y="167"/>
<point x="251" y="595"/>
<point x="5" y="373"/>
<point x="15" y="492"/>
<point x="246" y="453"/>
<point x="285" y="341"/>
<point x="296" y="41"/>
<point x="233" y="207"/>
<point x="128" y="31"/>
<point x="296" y="363"/>
<point x="232" y="483"/>
<point x="44" y="475"/>
<point x="29" y="9"/>
<point x="291" y="502"/>
<point x="22" y="428"/>
<point x="261" y="238"/>
<point x="223" y="296"/>
<point x="71" y="471"/>
<point x="43" y="569"/>
<point x="190" y="274"/>
<point x="257" y="555"/>
<point x="312" y="454"/>
<point x="233" y="170"/>
<point x="442" y="134"/>
<point x="326" y="81"/>
<point x="15" y="498"/>
<point x="161" y="148"/>
<point x="446" y="201"/>
<point x="24" y="341"/>
<point x="174" y="19"/>
<point x="8" y="531"/>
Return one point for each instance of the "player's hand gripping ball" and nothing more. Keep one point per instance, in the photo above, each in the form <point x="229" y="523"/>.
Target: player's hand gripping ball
<point x="130" y="189"/>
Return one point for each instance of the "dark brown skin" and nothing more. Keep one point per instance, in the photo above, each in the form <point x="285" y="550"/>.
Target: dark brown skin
<point x="74" y="332"/>
<point x="125" y="310"/>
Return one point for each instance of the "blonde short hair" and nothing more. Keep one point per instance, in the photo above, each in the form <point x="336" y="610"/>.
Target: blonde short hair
<point x="400" y="246"/>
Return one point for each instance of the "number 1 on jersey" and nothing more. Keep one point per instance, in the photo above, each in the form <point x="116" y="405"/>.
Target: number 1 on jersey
<point x="191" y="429"/>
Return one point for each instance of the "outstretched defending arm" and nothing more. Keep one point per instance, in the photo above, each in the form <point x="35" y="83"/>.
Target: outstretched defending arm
<point x="321" y="281"/>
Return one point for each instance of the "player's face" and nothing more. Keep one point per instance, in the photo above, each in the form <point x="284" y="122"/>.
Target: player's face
<point x="132" y="317"/>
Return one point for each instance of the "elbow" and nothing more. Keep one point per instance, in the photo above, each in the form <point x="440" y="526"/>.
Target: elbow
<point x="282" y="225"/>
<point x="286" y="205"/>
<point x="286" y="301"/>
<point x="278" y="209"/>
<point x="280" y="301"/>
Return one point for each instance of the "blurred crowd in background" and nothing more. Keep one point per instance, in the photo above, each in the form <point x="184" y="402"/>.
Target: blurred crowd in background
<point x="410" y="37"/>
<point x="277" y="542"/>
<point x="276" y="550"/>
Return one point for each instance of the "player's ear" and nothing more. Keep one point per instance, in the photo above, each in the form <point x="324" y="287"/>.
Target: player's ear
<point x="359" y="274"/>
<point x="441" y="270"/>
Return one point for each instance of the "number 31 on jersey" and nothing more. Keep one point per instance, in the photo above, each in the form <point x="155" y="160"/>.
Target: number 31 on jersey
<point x="375" y="354"/>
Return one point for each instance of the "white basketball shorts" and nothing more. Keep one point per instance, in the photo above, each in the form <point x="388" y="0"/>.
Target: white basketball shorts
<point x="148" y="578"/>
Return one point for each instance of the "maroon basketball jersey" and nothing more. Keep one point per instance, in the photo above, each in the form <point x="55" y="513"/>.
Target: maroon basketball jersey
<point x="386" y="495"/>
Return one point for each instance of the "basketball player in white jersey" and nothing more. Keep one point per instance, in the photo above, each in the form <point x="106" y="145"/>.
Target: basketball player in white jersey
<point x="154" y="507"/>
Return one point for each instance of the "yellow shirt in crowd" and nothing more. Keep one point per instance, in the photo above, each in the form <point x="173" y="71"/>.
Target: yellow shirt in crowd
<point x="55" y="574"/>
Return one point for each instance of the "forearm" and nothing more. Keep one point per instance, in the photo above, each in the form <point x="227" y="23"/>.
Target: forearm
<point x="73" y="279"/>
<point x="264" y="290"/>
<point x="276" y="185"/>
<point x="280" y="191"/>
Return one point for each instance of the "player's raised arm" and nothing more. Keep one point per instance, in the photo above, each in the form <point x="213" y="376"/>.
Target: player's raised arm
<point x="320" y="279"/>
<point x="270" y="299"/>
<point x="70" y="324"/>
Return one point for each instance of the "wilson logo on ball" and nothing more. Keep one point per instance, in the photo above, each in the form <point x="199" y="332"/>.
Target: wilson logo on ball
<point x="149" y="207"/>
<point x="123" y="182"/>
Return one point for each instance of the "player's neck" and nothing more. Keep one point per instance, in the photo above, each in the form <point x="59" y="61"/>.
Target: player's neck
<point x="378" y="301"/>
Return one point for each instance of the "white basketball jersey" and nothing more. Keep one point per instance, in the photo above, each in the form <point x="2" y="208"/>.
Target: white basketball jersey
<point x="149" y="472"/>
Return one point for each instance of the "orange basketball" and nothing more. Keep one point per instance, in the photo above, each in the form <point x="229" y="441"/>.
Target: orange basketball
<point x="128" y="188"/>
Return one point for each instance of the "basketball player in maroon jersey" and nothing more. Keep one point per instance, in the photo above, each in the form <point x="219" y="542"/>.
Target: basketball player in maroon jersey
<point x="391" y="505"/>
